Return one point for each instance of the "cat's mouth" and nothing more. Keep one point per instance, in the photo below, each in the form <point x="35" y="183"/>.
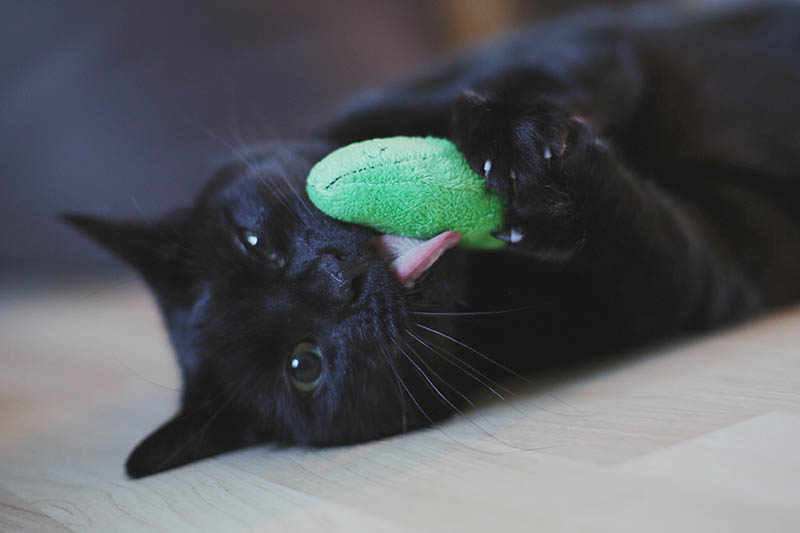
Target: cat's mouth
<point x="412" y="257"/>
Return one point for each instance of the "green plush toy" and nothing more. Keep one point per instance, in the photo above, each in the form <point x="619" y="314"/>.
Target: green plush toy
<point x="408" y="186"/>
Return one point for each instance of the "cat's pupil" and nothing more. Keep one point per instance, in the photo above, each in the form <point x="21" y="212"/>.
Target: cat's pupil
<point x="305" y="366"/>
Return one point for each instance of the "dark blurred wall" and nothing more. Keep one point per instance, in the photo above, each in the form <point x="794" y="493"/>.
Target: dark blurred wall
<point x="124" y="107"/>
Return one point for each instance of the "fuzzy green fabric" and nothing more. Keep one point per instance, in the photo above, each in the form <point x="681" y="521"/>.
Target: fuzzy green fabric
<point x="410" y="186"/>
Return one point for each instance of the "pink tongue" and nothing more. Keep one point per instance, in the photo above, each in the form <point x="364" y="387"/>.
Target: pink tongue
<point x="412" y="257"/>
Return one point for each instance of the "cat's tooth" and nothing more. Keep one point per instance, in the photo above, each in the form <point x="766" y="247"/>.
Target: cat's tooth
<point x="487" y="167"/>
<point x="547" y="153"/>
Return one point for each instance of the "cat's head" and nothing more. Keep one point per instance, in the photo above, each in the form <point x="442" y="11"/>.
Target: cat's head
<point x="290" y="327"/>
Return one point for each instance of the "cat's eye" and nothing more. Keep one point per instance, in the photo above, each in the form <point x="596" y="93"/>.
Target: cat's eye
<point x="306" y="366"/>
<point x="254" y="242"/>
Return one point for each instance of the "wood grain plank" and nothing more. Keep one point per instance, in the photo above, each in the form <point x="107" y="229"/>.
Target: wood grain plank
<point x="16" y="515"/>
<point x="697" y="435"/>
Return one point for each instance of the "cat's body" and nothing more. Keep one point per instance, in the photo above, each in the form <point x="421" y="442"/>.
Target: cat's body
<point x="652" y="170"/>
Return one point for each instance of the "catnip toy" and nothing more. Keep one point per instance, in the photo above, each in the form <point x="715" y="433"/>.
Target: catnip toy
<point x="408" y="186"/>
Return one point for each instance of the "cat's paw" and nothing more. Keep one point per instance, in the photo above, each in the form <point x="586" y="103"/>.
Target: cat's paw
<point x="536" y="156"/>
<point x="510" y="144"/>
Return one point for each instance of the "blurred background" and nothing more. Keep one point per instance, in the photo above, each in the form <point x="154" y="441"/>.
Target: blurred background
<point x="124" y="108"/>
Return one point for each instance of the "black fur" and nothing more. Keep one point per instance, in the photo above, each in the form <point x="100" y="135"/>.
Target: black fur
<point x="650" y="159"/>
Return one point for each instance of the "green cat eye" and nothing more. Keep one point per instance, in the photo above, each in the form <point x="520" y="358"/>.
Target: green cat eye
<point x="306" y="366"/>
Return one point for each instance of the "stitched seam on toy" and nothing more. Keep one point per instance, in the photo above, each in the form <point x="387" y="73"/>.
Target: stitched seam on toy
<point x="466" y="188"/>
<point x="373" y="167"/>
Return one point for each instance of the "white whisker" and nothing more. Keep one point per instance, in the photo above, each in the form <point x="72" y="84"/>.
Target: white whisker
<point x="396" y="386"/>
<point x="459" y="366"/>
<point x="441" y="395"/>
<point x="476" y="352"/>
<point x="479" y="313"/>
<point x="440" y="378"/>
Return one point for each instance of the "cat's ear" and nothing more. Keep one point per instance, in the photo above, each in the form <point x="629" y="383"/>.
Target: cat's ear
<point x="152" y="248"/>
<point x="192" y="434"/>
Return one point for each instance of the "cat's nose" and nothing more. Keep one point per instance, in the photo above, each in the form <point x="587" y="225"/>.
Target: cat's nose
<point x="339" y="279"/>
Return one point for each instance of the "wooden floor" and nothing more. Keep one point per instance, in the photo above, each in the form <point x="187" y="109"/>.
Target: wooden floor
<point x="699" y="436"/>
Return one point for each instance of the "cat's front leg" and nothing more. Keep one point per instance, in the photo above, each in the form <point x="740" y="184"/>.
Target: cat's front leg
<point x="654" y="266"/>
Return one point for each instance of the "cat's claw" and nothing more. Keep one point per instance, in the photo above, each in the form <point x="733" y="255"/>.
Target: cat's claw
<point x="487" y="168"/>
<point x="511" y="236"/>
<point x="547" y="153"/>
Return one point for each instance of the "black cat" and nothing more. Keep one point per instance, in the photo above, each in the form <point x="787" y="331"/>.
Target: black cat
<point x="651" y="163"/>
